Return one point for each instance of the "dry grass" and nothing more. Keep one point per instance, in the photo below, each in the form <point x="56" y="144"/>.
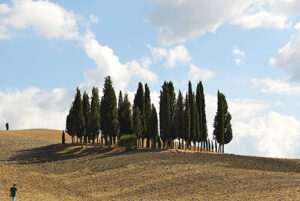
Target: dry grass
<point x="45" y="170"/>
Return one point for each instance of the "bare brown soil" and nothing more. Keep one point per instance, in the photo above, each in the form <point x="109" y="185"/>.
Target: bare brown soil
<point x="45" y="170"/>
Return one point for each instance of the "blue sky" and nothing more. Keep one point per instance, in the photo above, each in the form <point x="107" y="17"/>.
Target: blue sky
<point x="249" y="50"/>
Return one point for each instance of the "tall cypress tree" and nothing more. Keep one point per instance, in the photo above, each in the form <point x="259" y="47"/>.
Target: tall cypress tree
<point x="222" y="126"/>
<point x="70" y="124"/>
<point x="109" y="112"/>
<point x="187" y="121"/>
<point x="79" y="121"/>
<point x="86" y="113"/>
<point x="125" y="115"/>
<point x="172" y="95"/>
<point x="200" y="99"/>
<point x="192" y="113"/>
<point x="179" y="119"/>
<point x="164" y="114"/>
<point x="153" y="127"/>
<point x="147" y="113"/>
<point x="139" y="101"/>
<point x="94" y="120"/>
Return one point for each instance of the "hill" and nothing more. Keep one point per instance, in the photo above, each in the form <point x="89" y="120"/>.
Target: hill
<point x="45" y="170"/>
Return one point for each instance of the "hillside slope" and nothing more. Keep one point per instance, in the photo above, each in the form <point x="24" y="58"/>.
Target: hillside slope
<point x="46" y="170"/>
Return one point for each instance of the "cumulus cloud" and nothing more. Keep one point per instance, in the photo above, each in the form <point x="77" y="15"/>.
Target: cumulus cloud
<point x="195" y="74"/>
<point x="239" y="55"/>
<point x="280" y="87"/>
<point x="35" y="108"/>
<point x="288" y="57"/>
<point x="180" y="20"/>
<point x="272" y="135"/>
<point x="46" y="18"/>
<point x="173" y="56"/>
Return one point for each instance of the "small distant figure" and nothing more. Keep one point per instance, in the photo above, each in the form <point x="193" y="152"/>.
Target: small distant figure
<point x="7" y="126"/>
<point x="13" y="192"/>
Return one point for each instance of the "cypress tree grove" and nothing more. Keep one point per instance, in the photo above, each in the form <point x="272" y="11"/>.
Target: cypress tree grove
<point x="79" y="121"/>
<point x="94" y="120"/>
<point x="164" y="114"/>
<point x="153" y="127"/>
<point x="139" y="101"/>
<point x="125" y="115"/>
<point x="187" y="121"/>
<point x="179" y="119"/>
<point x="147" y="114"/>
<point x="86" y="113"/>
<point x="109" y="112"/>
<point x="222" y="126"/>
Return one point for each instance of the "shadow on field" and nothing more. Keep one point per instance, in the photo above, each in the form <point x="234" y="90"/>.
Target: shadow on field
<point x="58" y="152"/>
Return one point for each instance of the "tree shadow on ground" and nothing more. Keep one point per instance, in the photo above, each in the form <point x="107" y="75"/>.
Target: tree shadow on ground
<point x="59" y="152"/>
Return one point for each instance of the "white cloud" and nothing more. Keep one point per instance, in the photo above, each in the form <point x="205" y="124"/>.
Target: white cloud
<point x="237" y="52"/>
<point x="195" y="74"/>
<point x="273" y="135"/>
<point x="280" y="87"/>
<point x="177" y="55"/>
<point x="35" y="108"/>
<point x="140" y="70"/>
<point x="46" y="18"/>
<point x="288" y="57"/>
<point x="93" y="19"/>
<point x="238" y="61"/>
<point x="180" y="20"/>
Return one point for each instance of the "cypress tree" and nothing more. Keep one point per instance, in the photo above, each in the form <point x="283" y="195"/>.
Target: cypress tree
<point x="63" y="138"/>
<point x="137" y="123"/>
<point x="222" y="126"/>
<point x="70" y="125"/>
<point x="153" y="126"/>
<point x="86" y="113"/>
<point x="109" y="112"/>
<point x="187" y="121"/>
<point x="125" y="115"/>
<point x="179" y="119"/>
<point x="200" y="99"/>
<point x="139" y="101"/>
<point x="192" y="114"/>
<point x="94" y="120"/>
<point x="79" y="121"/>
<point x="197" y="136"/>
<point x="147" y="114"/>
<point x="164" y="114"/>
<point x="172" y="96"/>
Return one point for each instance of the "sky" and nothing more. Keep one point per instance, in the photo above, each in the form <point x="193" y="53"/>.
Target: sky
<point x="249" y="50"/>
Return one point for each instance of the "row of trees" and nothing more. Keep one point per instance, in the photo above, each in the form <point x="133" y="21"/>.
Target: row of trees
<point x="180" y="118"/>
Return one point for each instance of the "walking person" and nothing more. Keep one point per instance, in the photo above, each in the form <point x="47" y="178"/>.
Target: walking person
<point x="13" y="192"/>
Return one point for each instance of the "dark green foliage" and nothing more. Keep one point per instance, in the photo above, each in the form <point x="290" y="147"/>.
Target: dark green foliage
<point x="109" y="112"/>
<point x="70" y="126"/>
<point x="191" y="97"/>
<point x="164" y="114"/>
<point x="124" y="115"/>
<point x="7" y="126"/>
<point x="179" y="118"/>
<point x="86" y="113"/>
<point x="147" y="113"/>
<point x="139" y="101"/>
<point x="79" y="121"/>
<point x="187" y="120"/>
<point x="153" y="126"/>
<point x="172" y="96"/>
<point x="200" y="100"/>
<point x="137" y="123"/>
<point x="222" y="126"/>
<point x="63" y="138"/>
<point x="94" y="120"/>
<point x="128" y="141"/>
